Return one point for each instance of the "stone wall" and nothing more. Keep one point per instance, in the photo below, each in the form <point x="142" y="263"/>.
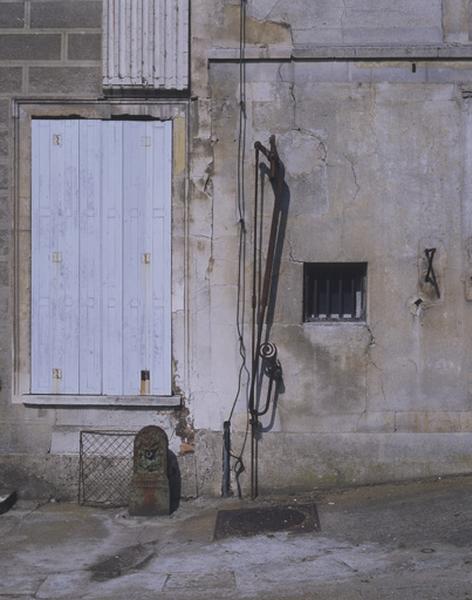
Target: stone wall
<point x="50" y="52"/>
<point x="49" y="49"/>
<point x="370" y="103"/>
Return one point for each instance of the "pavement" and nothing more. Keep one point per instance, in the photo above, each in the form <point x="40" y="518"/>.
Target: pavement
<point x="402" y="541"/>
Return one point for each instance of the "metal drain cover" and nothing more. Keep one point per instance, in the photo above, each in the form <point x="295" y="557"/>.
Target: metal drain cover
<point x="254" y="521"/>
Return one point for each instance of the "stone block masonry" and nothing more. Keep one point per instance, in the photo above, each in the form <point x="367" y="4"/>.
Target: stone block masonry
<point x="48" y="48"/>
<point x="66" y="14"/>
<point x="12" y="15"/>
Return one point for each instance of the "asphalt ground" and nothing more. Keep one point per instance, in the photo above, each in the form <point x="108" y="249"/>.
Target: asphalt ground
<point x="397" y="541"/>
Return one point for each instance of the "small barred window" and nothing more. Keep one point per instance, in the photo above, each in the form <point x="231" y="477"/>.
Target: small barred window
<point x="334" y="291"/>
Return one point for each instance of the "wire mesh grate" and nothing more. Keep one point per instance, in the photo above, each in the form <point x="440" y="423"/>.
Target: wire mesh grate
<point x="105" y="467"/>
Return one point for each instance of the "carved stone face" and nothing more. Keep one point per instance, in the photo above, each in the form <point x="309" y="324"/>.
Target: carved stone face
<point x="149" y="458"/>
<point x="150" y="451"/>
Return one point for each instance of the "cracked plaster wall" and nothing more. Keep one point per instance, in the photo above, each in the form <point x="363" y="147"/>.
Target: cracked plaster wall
<point x="349" y="22"/>
<point x="374" y="173"/>
<point x="374" y="155"/>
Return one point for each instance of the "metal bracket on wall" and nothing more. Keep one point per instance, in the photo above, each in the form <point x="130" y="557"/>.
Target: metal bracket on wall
<point x="430" y="274"/>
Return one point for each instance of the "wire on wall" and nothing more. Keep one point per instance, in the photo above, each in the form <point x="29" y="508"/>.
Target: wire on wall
<point x="243" y="374"/>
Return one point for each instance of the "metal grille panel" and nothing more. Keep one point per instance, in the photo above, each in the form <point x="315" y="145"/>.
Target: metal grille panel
<point x="106" y="467"/>
<point x="146" y="44"/>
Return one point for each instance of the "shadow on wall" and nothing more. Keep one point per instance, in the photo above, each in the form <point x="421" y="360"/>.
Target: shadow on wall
<point x="270" y="387"/>
<point x="175" y="481"/>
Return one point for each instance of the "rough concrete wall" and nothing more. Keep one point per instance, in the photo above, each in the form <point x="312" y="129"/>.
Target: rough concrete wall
<point x="343" y="22"/>
<point x="355" y="21"/>
<point x="374" y="155"/>
<point x="374" y="172"/>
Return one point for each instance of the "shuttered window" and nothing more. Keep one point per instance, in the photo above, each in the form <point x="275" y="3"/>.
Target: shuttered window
<point x="101" y="237"/>
<point x="146" y="44"/>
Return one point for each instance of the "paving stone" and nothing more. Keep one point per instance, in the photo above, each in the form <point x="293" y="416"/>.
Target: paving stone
<point x="19" y="585"/>
<point x="201" y="581"/>
<point x="12" y="14"/>
<point x="66" y="13"/>
<point x="84" y="46"/>
<point x="31" y="46"/>
<point x="65" y="80"/>
<point x="64" y="585"/>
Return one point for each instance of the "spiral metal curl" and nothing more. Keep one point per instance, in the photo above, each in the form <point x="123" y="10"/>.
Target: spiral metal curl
<point x="268" y="350"/>
<point x="270" y="364"/>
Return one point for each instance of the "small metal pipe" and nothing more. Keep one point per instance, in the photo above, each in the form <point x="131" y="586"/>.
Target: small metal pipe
<point x="226" y="487"/>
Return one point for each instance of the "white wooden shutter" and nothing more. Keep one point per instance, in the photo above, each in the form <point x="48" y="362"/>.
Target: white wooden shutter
<point x="161" y="258"/>
<point x="101" y="232"/>
<point x="55" y="248"/>
<point x="146" y="44"/>
<point x="112" y="257"/>
<point x="90" y="275"/>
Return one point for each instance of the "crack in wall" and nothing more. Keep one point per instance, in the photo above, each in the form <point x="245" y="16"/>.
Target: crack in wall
<point x="352" y="164"/>
<point x="373" y="363"/>
<point x="291" y="257"/>
<point x="322" y="143"/>
<point x="291" y="89"/>
<point x="370" y="361"/>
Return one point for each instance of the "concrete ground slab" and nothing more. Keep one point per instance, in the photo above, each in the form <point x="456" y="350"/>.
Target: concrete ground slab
<point x="405" y="541"/>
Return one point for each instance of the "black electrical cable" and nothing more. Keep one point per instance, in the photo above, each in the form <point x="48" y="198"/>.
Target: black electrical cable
<point x="243" y="374"/>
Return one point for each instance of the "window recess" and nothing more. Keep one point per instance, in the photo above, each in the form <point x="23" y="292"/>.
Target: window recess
<point x="334" y="292"/>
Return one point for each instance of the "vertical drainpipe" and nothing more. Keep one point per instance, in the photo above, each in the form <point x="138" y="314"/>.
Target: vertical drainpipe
<point x="226" y="486"/>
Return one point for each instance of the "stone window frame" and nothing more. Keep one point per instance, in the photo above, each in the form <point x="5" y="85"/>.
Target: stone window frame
<point x="23" y="112"/>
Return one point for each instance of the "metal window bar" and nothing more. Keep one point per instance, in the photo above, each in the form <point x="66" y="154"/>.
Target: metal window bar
<point x="105" y="467"/>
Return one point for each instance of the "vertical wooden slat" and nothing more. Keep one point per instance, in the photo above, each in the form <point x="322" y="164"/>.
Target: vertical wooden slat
<point x="64" y="256"/>
<point x="41" y="224"/>
<point x="90" y="152"/>
<point x="171" y="44"/>
<point x="134" y="195"/>
<point x="135" y="26"/>
<point x="122" y="26"/>
<point x="182" y="54"/>
<point x="108" y="43"/>
<point x="147" y="42"/>
<point x="55" y="236"/>
<point x="161" y="263"/>
<point x="159" y="42"/>
<point x="147" y="255"/>
<point x="112" y="256"/>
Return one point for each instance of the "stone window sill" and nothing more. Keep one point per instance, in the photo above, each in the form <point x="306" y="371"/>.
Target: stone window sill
<point x="74" y="401"/>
